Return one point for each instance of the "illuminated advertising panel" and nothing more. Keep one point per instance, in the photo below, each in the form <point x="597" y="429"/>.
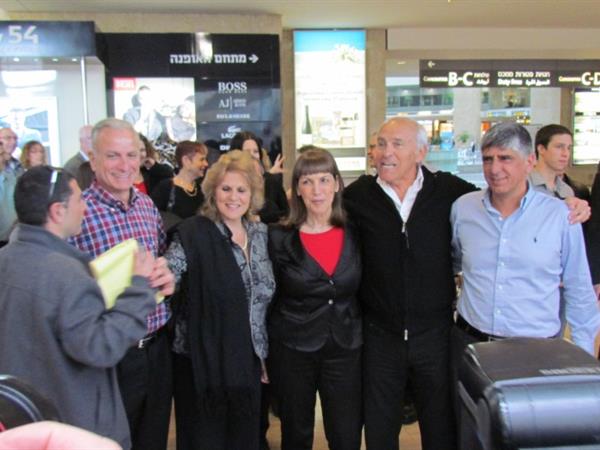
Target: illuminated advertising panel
<point x="586" y="127"/>
<point x="330" y="88"/>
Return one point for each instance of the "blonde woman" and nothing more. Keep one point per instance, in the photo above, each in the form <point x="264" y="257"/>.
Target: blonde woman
<point x="226" y="284"/>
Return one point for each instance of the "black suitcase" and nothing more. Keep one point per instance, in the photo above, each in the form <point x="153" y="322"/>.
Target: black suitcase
<point x="529" y="394"/>
<point x="20" y="404"/>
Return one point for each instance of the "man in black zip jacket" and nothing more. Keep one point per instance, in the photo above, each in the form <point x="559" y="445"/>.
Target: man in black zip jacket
<point x="407" y="289"/>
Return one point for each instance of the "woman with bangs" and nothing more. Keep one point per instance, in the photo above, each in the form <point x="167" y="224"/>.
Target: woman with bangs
<point x="315" y="323"/>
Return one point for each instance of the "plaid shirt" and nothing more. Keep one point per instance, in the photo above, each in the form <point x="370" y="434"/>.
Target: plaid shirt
<point x="108" y="222"/>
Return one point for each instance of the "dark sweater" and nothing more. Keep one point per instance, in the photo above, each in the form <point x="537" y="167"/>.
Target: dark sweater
<point x="407" y="282"/>
<point x="185" y="205"/>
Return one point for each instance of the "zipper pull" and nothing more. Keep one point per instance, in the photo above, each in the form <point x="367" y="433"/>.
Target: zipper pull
<point x="406" y="334"/>
<point x="405" y="233"/>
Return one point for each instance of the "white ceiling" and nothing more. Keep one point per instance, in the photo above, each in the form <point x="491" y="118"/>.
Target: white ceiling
<point x="354" y="13"/>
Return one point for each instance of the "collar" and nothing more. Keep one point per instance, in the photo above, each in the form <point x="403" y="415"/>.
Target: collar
<point x="105" y="197"/>
<point x="525" y="200"/>
<point x="40" y="236"/>
<point x="414" y="187"/>
<point x="561" y="189"/>
<point x="249" y="226"/>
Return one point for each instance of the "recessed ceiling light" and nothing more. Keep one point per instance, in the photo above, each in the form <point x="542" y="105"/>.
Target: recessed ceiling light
<point x="74" y="59"/>
<point x="16" y="59"/>
<point x="401" y="62"/>
<point x="55" y="59"/>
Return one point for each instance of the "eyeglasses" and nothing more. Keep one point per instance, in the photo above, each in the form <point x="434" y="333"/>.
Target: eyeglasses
<point x="53" y="180"/>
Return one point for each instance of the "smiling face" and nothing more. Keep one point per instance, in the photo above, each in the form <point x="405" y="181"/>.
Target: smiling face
<point x="556" y="155"/>
<point x="116" y="161"/>
<point x="317" y="191"/>
<point x="397" y="153"/>
<point x="506" y="171"/>
<point x="232" y="197"/>
<point x="195" y="164"/>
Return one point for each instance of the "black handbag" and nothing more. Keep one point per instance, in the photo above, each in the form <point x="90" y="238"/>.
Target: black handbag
<point x="21" y="404"/>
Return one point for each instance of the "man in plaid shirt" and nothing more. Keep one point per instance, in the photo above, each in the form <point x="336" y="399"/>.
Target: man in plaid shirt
<point x="116" y="212"/>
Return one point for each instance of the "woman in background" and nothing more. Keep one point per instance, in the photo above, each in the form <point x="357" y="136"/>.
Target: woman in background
<point x="315" y="323"/>
<point x="220" y="342"/>
<point x="182" y="194"/>
<point x="276" y="205"/>
<point x="33" y="154"/>
<point x="152" y="172"/>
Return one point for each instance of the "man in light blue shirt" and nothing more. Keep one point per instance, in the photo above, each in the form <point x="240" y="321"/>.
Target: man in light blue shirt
<point x="514" y="246"/>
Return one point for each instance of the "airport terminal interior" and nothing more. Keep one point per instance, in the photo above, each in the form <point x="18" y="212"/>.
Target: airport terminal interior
<point x="306" y="72"/>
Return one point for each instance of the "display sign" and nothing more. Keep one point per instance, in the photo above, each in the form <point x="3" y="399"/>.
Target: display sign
<point x="157" y="105"/>
<point x="231" y="81"/>
<point x="586" y="127"/>
<point x="228" y="99"/>
<point x="509" y="73"/>
<point x="47" y="39"/>
<point x="330" y="88"/>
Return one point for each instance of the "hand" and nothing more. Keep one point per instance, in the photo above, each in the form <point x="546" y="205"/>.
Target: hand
<point x="277" y="165"/>
<point x="580" y="210"/>
<point x="597" y="291"/>
<point x="143" y="263"/>
<point x="53" y="436"/>
<point x="162" y="278"/>
<point x="264" y="376"/>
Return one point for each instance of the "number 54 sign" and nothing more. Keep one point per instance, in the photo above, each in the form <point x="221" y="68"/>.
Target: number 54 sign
<point x="47" y="39"/>
<point x="20" y="33"/>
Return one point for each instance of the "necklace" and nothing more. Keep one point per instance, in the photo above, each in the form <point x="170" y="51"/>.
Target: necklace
<point x="190" y="192"/>
<point x="245" y="246"/>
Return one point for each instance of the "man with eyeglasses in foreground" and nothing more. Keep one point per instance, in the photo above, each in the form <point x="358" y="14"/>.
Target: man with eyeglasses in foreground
<point x="57" y="334"/>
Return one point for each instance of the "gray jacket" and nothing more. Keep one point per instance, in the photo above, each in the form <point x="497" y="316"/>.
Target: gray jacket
<point x="57" y="335"/>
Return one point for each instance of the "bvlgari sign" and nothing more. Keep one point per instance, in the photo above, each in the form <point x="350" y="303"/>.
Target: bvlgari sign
<point x="510" y="73"/>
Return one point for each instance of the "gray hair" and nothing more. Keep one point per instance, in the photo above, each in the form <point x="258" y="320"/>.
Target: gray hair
<point x="421" y="138"/>
<point x="508" y="135"/>
<point x="113" y="124"/>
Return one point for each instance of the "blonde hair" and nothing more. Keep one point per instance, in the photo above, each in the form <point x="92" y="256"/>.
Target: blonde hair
<point x="27" y="149"/>
<point x="233" y="161"/>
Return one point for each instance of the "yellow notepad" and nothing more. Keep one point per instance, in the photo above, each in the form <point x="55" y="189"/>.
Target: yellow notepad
<point x="113" y="270"/>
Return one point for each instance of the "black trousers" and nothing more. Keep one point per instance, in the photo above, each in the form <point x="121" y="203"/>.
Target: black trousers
<point x="390" y="363"/>
<point x="145" y="381"/>
<point x="336" y="374"/>
<point x="197" y="429"/>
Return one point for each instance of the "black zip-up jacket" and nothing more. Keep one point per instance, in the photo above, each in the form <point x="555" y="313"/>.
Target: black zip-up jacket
<point x="407" y="282"/>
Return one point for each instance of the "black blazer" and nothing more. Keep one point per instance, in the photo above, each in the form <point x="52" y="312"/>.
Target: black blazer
<point x="309" y="306"/>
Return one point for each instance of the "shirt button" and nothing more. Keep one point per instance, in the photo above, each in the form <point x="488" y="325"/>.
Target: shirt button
<point x="498" y="312"/>
<point x="330" y="302"/>
<point x="499" y="287"/>
<point x="501" y="263"/>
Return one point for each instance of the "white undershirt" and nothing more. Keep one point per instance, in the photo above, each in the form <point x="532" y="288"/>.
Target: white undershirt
<point x="404" y="207"/>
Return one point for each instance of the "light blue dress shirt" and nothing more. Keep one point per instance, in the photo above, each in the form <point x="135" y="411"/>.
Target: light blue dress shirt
<point x="512" y="268"/>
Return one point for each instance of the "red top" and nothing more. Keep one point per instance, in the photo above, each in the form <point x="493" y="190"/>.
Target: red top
<point x="141" y="186"/>
<point x="325" y="248"/>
